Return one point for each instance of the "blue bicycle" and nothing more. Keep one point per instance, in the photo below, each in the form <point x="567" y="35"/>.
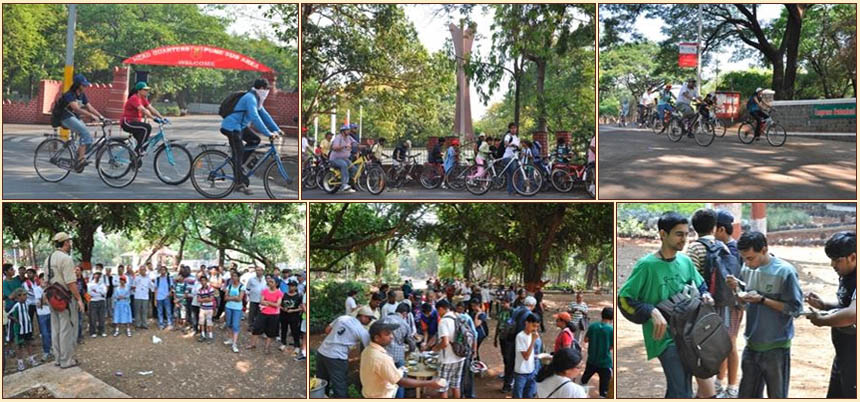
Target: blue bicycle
<point x="214" y="176"/>
<point x="172" y="162"/>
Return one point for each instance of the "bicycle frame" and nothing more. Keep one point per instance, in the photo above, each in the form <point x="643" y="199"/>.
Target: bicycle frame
<point x="360" y="161"/>
<point x="93" y="148"/>
<point x="271" y="153"/>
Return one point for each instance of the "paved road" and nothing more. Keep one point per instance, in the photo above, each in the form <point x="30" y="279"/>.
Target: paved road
<point x="21" y="182"/>
<point x="636" y="164"/>
<point x="420" y="193"/>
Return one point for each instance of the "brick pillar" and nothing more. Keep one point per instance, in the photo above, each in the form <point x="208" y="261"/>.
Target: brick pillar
<point x="758" y="217"/>
<point x="118" y="93"/>
<point x="562" y="134"/>
<point x="540" y="137"/>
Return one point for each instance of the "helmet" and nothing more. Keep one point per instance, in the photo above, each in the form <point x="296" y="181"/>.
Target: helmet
<point x="691" y="80"/>
<point x="478" y="367"/>
<point x="345" y="127"/>
<point x="408" y="144"/>
<point x="757" y="90"/>
<point x="455" y="142"/>
<point x="353" y="126"/>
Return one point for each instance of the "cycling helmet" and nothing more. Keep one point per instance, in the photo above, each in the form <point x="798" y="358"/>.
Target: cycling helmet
<point x="353" y="126"/>
<point x="408" y="144"/>
<point x="455" y="142"/>
<point x="757" y="90"/>
<point x="345" y="127"/>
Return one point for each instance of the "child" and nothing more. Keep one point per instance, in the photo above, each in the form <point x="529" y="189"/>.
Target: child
<point x="482" y="157"/>
<point x="20" y="328"/>
<point x="179" y="300"/>
<point x="43" y="314"/>
<point x="122" y="306"/>
<point x="562" y="151"/>
<point x="206" y="298"/>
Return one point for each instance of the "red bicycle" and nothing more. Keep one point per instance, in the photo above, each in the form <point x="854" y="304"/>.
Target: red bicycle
<point x="565" y="175"/>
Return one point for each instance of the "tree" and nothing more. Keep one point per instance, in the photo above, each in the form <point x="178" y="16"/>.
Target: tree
<point x="31" y="33"/>
<point x="828" y="50"/>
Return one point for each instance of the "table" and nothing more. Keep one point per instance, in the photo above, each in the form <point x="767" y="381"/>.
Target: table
<point x="420" y="372"/>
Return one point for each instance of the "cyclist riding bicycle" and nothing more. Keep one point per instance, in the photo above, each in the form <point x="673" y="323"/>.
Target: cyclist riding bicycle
<point x="451" y="155"/>
<point x="664" y="102"/>
<point x="376" y="151"/>
<point x="74" y="103"/>
<point x="754" y="107"/>
<point x="687" y="95"/>
<point x="136" y="107"/>
<point x="341" y="147"/>
<point x="706" y="105"/>
<point x="401" y="152"/>
<point x="237" y="127"/>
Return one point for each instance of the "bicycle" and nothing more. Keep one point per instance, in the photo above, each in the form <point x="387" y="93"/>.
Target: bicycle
<point x="371" y="174"/>
<point x="312" y="171"/>
<point x="402" y="171"/>
<point x="526" y="181"/>
<point x="432" y="175"/>
<point x="178" y="162"/>
<point x="680" y="125"/>
<point x="214" y="176"/>
<point x="774" y="132"/>
<point x="54" y="158"/>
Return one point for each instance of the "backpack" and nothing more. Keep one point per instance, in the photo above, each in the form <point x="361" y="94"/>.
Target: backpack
<point x="170" y="282"/>
<point x="229" y="103"/>
<point x="463" y="339"/>
<point x="718" y="264"/>
<point x="58" y="296"/>
<point x="701" y="338"/>
<point x="57" y="111"/>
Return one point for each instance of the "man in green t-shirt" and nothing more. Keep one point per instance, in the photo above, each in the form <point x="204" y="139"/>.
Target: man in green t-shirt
<point x="655" y="278"/>
<point x="599" y="340"/>
<point x="10" y="283"/>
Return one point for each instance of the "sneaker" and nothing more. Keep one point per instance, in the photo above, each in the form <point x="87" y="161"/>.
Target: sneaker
<point x="33" y="362"/>
<point x="228" y="342"/>
<point x="282" y="348"/>
<point x="46" y="357"/>
<point x="728" y="393"/>
<point x="21" y="366"/>
<point x="718" y="388"/>
<point x="116" y="332"/>
<point x="300" y="358"/>
<point x="104" y="334"/>
<point x="235" y="348"/>
<point x="244" y="189"/>
<point x="128" y="331"/>
<point x="201" y="339"/>
<point x="93" y="336"/>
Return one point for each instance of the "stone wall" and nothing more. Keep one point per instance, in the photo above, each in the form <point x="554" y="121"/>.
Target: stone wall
<point x="817" y="115"/>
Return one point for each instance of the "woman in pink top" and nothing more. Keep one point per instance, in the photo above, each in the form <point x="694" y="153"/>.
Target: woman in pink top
<point x="268" y="319"/>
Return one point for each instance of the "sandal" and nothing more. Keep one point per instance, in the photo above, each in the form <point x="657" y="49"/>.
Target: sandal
<point x="74" y="364"/>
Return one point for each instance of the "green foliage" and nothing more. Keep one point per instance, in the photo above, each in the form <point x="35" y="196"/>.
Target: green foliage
<point x="328" y="300"/>
<point x="172" y="111"/>
<point x="632" y="227"/>
<point x="781" y="217"/>
<point x="744" y="82"/>
<point x="30" y="37"/>
<point x="685" y="209"/>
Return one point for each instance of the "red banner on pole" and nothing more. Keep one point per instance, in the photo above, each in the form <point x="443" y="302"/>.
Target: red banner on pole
<point x="197" y="56"/>
<point x="687" y="56"/>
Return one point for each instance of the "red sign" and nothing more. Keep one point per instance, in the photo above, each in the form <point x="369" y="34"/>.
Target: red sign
<point x="728" y="105"/>
<point x="197" y="56"/>
<point x="687" y="54"/>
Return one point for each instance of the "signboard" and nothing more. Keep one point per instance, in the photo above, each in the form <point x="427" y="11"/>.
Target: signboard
<point x="728" y="105"/>
<point x="834" y="111"/>
<point x="197" y="56"/>
<point x="687" y="56"/>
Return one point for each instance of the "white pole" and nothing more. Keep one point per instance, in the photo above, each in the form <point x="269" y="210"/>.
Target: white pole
<point x="334" y="121"/>
<point x="360" y="121"/>
<point x="699" y="53"/>
<point x="347" y="116"/>
<point x="316" y="128"/>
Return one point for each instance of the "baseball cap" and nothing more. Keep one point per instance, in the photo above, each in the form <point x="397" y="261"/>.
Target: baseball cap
<point x="141" y="86"/>
<point x="62" y="236"/>
<point x="378" y="326"/>
<point x="725" y="217"/>
<point x="80" y="79"/>
<point x="564" y="316"/>
<point x="364" y="310"/>
<point x="565" y="359"/>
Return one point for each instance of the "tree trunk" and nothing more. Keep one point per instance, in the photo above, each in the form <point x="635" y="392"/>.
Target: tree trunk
<point x="791" y="40"/>
<point x="181" y="249"/>
<point x="85" y="242"/>
<point x="182" y="98"/>
<point x="590" y="275"/>
<point x="221" y="256"/>
<point x="541" y="100"/>
<point x="517" y="79"/>
<point x="32" y="253"/>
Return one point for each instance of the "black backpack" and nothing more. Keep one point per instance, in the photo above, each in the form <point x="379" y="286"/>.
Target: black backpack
<point x="229" y="103"/>
<point x="718" y="264"/>
<point x="701" y="338"/>
<point x="57" y="111"/>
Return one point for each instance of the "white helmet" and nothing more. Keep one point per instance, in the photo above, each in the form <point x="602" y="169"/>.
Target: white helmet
<point x="408" y="143"/>
<point x="757" y="90"/>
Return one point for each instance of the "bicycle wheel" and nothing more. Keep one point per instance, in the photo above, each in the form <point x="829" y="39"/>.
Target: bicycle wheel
<point x="703" y="133"/>
<point x="213" y="174"/>
<point x="527" y="180"/>
<point x="746" y="133"/>
<point x="590" y="182"/>
<point x="53" y="160"/>
<point x="475" y="184"/>
<point x="331" y="182"/>
<point x="396" y="176"/>
<point x="319" y="175"/>
<point x="657" y="126"/>
<point x="309" y="177"/>
<point x="172" y="163"/>
<point x="675" y="131"/>
<point x="455" y="179"/>
<point x="116" y="164"/>
<point x="719" y="128"/>
<point x="776" y="135"/>
<point x="375" y="180"/>
<point x="546" y="182"/>
<point x="275" y="183"/>
<point x="430" y="177"/>
<point x="561" y="180"/>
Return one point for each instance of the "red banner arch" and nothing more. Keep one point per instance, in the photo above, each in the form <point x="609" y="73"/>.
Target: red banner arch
<point x="197" y="56"/>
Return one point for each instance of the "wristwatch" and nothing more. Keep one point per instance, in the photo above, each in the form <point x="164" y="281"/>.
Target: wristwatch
<point x="761" y="301"/>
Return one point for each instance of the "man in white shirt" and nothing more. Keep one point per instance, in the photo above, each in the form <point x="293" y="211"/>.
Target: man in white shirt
<point x="511" y="142"/>
<point x="686" y="95"/>
<point x="390" y="306"/>
<point x="350" y="304"/>
<point x="451" y="365"/>
<point x="333" y="354"/>
<point x="524" y="358"/>
<point x="254" y="289"/>
<point x="141" y="286"/>
<point x="98" y="292"/>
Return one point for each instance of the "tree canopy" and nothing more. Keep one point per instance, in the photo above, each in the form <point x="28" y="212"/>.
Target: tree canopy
<point x="526" y="239"/>
<point x="34" y="42"/>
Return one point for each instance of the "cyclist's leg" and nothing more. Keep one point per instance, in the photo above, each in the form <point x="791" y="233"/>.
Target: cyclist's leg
<point x="343" y="166"/>
<point x="76" y="125"/>
<point x="759" y="117"/>
<point x="139" y="130"/>
<point x="236" y="154"/>
<point x="251" y="140"/>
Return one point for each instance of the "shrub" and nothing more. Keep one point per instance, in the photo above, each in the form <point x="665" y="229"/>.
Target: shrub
<point x="328" y="300"/>
<point x="172" y="111"/>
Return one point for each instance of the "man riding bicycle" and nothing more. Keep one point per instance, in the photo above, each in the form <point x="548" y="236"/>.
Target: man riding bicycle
<point x="136" y="107"/>
<point x="74" y="104"/>
<point x="401" y="152"/>
<point x="341" y="147"/>
<point x="754" y="107"/>
<point x="687" y="95"/>
<point x="237" y="127"/>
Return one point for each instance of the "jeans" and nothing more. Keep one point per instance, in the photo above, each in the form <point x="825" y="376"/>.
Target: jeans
<point x="97" y="317"/>
<point x="45" y="332"/>
<point x="759" y="117"/>
<point x="508" y="356"/>
<point x="509" y="173"/>
<point x="524" y="386"/>
<point x="603" y="373"/>
<point x="335" y="372"/>
<point x="343" y="165"/>
<point x="467" y="387"/>
<point x="771" y="368"/>
<point x="76" y="125"/>
<point x="238" y="140"/>
<point x="165" y="309"/>
<point x="190" y="313"/>
<point x="80" y="325"/>
<point x="233" y="320"/>
<point x="401" y="392"/>
<point x="679" y="380"/>
<point x="662" y="109"/>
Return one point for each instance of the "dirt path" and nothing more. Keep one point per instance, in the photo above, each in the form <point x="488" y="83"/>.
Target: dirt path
<point x="182" y="367"/>
<point x="489" y="386"/>
<point x="811" y="351"/>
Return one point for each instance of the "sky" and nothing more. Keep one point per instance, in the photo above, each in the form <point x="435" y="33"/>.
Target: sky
<point x="249" y="20"/>
<point x="652" y="29"/>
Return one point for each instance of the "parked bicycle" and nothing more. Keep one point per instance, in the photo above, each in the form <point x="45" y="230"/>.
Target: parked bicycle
<point x="214" y="176"/>
<point x="115" y="161"/>
<point x="527" y="180"/>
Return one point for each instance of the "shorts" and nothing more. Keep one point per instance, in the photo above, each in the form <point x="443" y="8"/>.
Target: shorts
<point x="233" y="319"/>
<point x="268" y="324"/>
<point x="181" y="310"/>
<point x="205" y="317"/>
<point x="452" y="373"/>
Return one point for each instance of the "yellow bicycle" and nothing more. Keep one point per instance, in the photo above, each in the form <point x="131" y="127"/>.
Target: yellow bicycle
<point x="365" y="176"/>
